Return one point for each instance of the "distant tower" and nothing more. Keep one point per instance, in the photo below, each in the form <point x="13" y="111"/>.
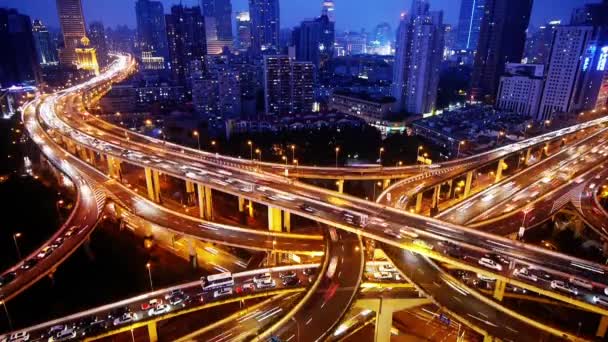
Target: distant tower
<point x="243" y="30"/>
<point x="44" y="44"/>
<point x="72" y="24"/>
<point x="265" y="25"/>
<point x="86" y="56"/>
<point x="329" y="9"/>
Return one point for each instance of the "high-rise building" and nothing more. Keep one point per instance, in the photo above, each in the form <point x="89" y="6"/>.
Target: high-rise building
<point x="501" y="40"/>
<point x="18" y="60"/>
<point x="186" y="38"/>
<point x="277" y="84"/>
<point x="382" y="41"/>
<point x="151" y="29"/>
<point x="86" y="56"/>
<point x="97" y="35"/>
<point x="521" y="88"/>
<point x="243" y="30"/>
<point x="329" y="9"/>
<point x="265" y="25"/>
<point x="571" y="54"/>
<point x="469" y="24"/>
<point x="314" y="40"/>
<point x="73" y="28"/>
<point x="418" y="59"/>
<point x="302" y="87"/>
<point x="538" y="44"/>
<point x="221" y="11"/>
<point x="45" y="47"/>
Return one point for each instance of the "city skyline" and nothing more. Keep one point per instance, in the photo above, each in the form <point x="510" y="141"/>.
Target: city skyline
<point x="349" y="17"/>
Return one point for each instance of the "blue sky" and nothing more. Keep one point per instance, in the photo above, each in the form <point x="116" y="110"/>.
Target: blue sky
<point x="351" y="14"/>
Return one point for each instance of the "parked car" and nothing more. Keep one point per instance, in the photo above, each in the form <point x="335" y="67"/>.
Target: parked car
<point x="489" y="263"/>
<point x="564" y="287"/>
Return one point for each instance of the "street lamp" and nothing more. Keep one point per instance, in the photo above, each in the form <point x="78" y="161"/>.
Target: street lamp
<point x="380" y="155"/>
<point x="459" y="146"/>
<point x="15" y="236"/>
<point x="420" y="148"/>
<point x="250" y="143"/>
<point x="337" y="152"/>
<point x="500" y="135"/>
<point x="293" y="152"/>
<point x="284" y="158"/>
<point x="259" y="153"/>
<point x="8" y="316"/>
<point x="198" y="139"/>
<point x="149" y="267"/>
<point x="295" y="162"/>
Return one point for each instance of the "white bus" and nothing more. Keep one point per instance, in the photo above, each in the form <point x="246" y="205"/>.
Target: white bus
<point x="217" y="281"/>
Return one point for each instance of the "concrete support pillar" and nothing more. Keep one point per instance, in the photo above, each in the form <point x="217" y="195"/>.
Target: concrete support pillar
<point x="92" y="158"/>
<point x="385" y="184"/>
<point x="190" y="193"/>
<point x="208" y="203"/>
<point x="340" y="184"/>
<point x="451" y="189"/>
<point x="546" y="149"/>
<point x="193" y="255"/>
<point x="152" y="332"/>
<point x="468" y="183"/>
<point x="201" y="200"/>
<point x="205" y="202"/>
<point x="501" y="167"/>
<point x="499" y="289"/>
<point x="275" y="219"/>
<point x="528" y="156"/>
<point x="436" y="193"/>
<point x="487" y="338"/>
<point x="250" y="208"/>
<point x="241" y="204"/>
<point x="82" y="153"/>
<point x="418" y="208"/>
<point x="286" y="221"/>
<point x="602" y="327"/>
<point x="150" y="184"/>
<point x="114" y="168"/>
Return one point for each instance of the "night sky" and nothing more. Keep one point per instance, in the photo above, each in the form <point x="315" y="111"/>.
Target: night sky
<point x="351" y="14"/>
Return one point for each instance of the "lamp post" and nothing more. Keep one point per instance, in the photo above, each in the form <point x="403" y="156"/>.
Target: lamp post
<point x="198" y="139"/>
<point x="380" y="155"/>
<point x="259" y="153"/>
<point x="500" y="135"/>
<point x="337" y="152"/>
<point x="293" y="152"/>
<point x="460" y="144"/>
<point x="8" y="316"/>
<point x="420" y="148"/>
<point x="295" y="162"/>
<point x="15" y="236"/>
<point x="250" y="143"/>
<point x="149" y="267"/>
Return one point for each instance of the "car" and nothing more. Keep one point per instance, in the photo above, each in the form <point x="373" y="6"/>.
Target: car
<point x="265" y="284"/>
<point x="383" y="275"/>
<point x="95" y="327"/>
<point x="600" y="300"/>
<point x="118" y="312"/>
<point x="262" y="277"/>
<point x="29" y="264"/>
<point x="288" y="274"/>
<point x="226" y="291"/>
<point x="178" y="299"/>
<point x="70" y="232"/>
<point x="307" y="208"/>
<point x="64" y="335"/>
<point x="174" y="293"/>
<point x="498" y="258"/>
<point x="309" y="271"/>
<point x="524" y="274"/>
<point x="540" y="274"/>
<point x="291" y="281"/>
<point x="21" y="336"/>
<point x="7" y="278"/>
<point x="391" y="233"/>
<point x="58" y="242"/>
<point x="126" y="318"/>
<point x="151" y="304"/>
<point x="581" y="283"/>
<point x="564" y="287"/>
<point x="489" y="263"/>
<point x="159" y="310"/>
<point x="387" y="268"/>
<point x="423" y="244"/>
<point x="45" y="252"/>
<point x="56" y="329"/>
<point x="245" y="288"/>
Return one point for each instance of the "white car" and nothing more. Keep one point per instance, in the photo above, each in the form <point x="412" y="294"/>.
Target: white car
<point x="265" y="284"/>
<point x="126" y="318"/>
<point x="262" y="277"/>
<point x="562" y="286"/>
<point x="524" y="274"/>
<point x="159" y="310"/>
<point x="21" y="336"/>
<point x="387" y="268"/>
<point x="383" y="275"/>
<point x="423" y="244"/>
<point x="600" y="301"/>
<point x="63" y="335"/>
<point x="582" y="283"/>
<point x="45" y="252"/>
<point x="489" y="263"/>
<point x="227" y="291"/>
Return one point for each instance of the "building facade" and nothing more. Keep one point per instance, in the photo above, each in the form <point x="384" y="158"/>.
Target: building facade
<point x="73" y="29"/>
<point x="469" y="24"/>
<point x="18" y="60"/>
<point x="221" y="11"/>
<point x="45" y="47"/>
<point x="265" y="25"/>
<point x="151" y="29"/>
<point x="243" y="31"/>
<point x="277" y="85"/>
<point x="97" y="35"/>
<point x="187" y="40"/>
<point x="521" y="89"/>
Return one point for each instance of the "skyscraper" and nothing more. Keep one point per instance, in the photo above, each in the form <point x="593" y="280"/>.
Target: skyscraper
<point x="469" y="24"/>
<point x="243" y="30"/>
<point x="18" y="60"/>
<point x="501" y="40"/>
<point x="265" y="25"/>
<point x="97" y="35"/>
<point x="329" y="10"/>
<point x="221" y="10"/>
<point x="277" y="84"/>
<point x="538" y="45"/>
<point x="186" y="38"/>
<point x="418" y="58"/>
<point x="521" y="88"/>
<point x="151" y="29"/>
<point x="45" y="47"/>
<point x="73" y="28"/>
<point x="302" y="87"/>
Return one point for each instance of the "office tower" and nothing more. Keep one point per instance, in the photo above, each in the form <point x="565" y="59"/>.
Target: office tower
<point x="221" y="11"/>
<point x="381" y="43"/>
<point x="45" y="47"/>
<point x="594" y="14"/>
<point x="229" y="92"/>
<point x="151" y="29"/>
<point x="205" y="95"/>
<point x="186" y="39"/>
<point x="277" y="84"/>
<point x="571" y="54"/>
<point x="97" y="35"/>
<point x="302" y="87"/>
<point x="265" y="25"/>
<point x="417" y="61"/>
<point x="501" y="40"/>
<point x="243" y="30"/>
<point x="307" y="40"/>
<point x="469" y="24"/>
<point x="72" y="25"/>
<point x="18" y="60"/>
<point x="521" y="88"/>
<point x="538" y="44"/>
<point x="86" y="56"/>
<point x="329" y="10"/>
<point x="121" y="38"/>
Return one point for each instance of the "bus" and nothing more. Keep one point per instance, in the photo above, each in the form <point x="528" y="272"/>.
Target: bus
<point x="217" y="281"/>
